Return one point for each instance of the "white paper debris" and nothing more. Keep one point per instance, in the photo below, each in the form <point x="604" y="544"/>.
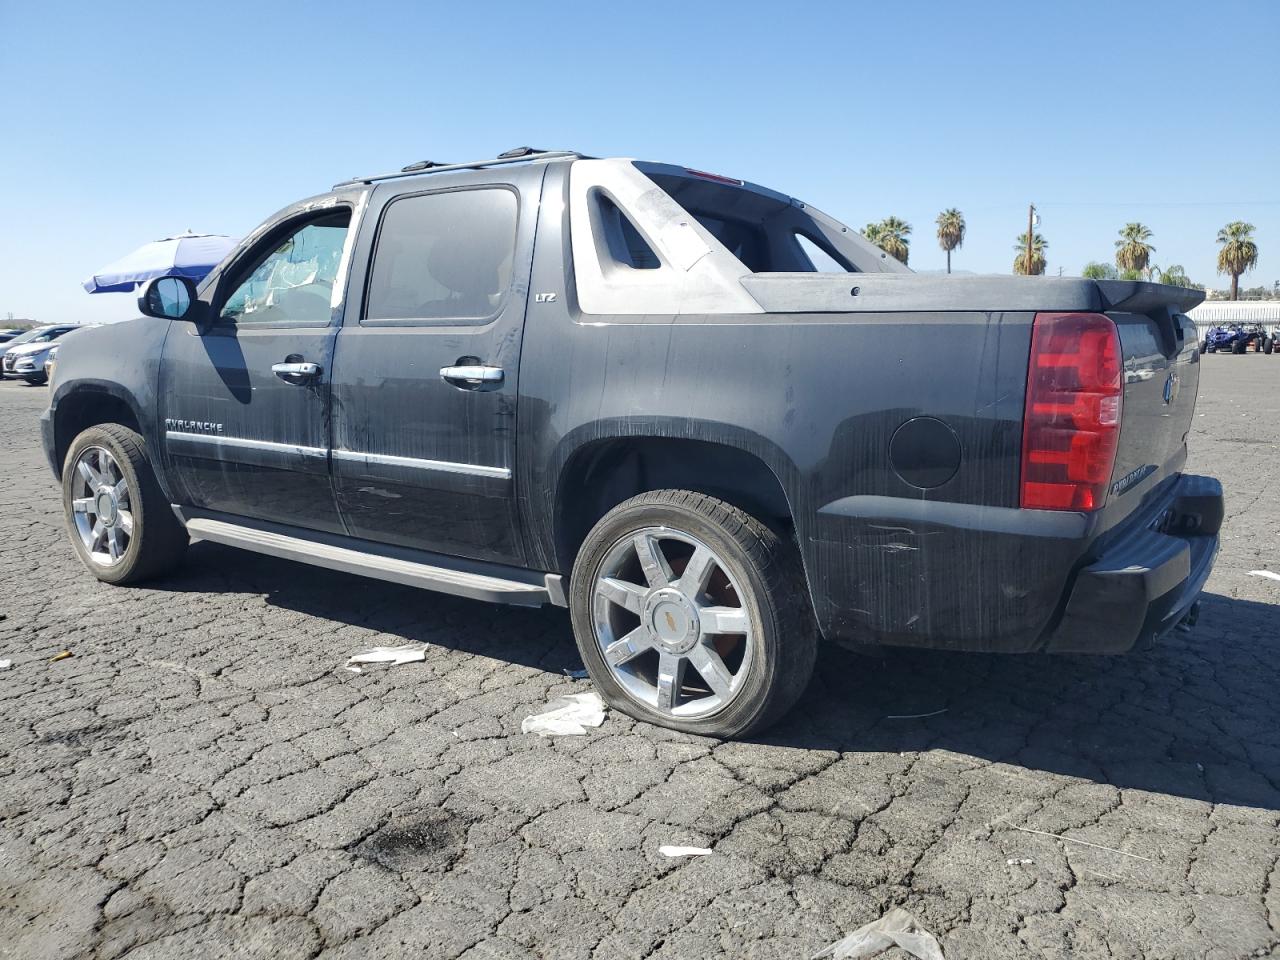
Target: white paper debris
<point x="1264" y="573"/>
<point x="575" y="674"/>
<point x="567" y="716"/>
<point x="897" y="928"/>
<point x="667" y="851"/>
<point x="5" y="664"/>
<point x="409" y="653"/>
<point x="1019" y="861"/>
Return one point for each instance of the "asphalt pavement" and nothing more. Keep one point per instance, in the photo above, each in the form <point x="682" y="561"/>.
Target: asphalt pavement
<point x="202" y="779"/>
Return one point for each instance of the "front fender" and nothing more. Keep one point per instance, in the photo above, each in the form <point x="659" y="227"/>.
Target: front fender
<point x="113" y="363"/>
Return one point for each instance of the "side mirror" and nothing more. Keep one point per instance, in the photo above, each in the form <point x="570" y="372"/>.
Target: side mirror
<point x="168" y="298"/>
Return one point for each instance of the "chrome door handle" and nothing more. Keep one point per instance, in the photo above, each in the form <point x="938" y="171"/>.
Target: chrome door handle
<point x="472" y="376"/>
<point x="296" y="372"/>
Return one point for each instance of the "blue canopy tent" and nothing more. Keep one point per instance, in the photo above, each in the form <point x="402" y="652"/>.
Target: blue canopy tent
<point x="190" y="255"/>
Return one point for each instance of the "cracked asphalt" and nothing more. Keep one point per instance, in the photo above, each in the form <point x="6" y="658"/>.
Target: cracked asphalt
<point x="200" y="779"/>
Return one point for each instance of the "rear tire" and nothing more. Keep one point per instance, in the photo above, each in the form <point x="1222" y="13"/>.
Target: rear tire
<point x="1268" y="345"/>
<point x="1237" y="347"/>
<point x="120" y="522"/>
<point x="692" y="614"/>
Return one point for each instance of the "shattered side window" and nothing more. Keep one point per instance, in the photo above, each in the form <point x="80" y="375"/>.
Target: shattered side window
<point x="294" y="282"/>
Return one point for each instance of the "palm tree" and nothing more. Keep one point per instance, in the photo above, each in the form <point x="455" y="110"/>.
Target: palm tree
<point x="1239" y="254"/>
<point x="1133" y="249"/>
<point x="890" y="235"/>
<point x="1174" y="275"/>
<point x="950" y="232"/>
<point x="1038" y="246"/>
<point x="893" y="238"/>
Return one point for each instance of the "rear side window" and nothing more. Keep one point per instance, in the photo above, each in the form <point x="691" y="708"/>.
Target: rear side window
<point x="625" y="244"/>
<point x="444" y="257"/>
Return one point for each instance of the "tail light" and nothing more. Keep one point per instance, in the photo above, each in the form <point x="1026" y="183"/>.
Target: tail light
<point x="1071" y="426"/>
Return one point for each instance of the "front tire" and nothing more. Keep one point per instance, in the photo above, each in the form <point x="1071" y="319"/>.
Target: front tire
<point x="1268" y="345"/>
<point x="119" y="520"/>
<point x="692" y="614"/>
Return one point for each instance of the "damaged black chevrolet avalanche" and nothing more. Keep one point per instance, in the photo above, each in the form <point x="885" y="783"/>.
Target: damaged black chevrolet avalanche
<point x="667" y="400"/>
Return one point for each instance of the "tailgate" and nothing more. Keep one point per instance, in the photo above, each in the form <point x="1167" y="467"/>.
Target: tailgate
<point x="1161" y="378"/>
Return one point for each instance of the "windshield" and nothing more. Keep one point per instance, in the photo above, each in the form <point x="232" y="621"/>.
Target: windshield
<point x="39" y="334"/>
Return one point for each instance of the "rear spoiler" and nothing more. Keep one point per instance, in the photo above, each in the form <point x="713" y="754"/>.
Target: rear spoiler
<point x="1137" y="296"/>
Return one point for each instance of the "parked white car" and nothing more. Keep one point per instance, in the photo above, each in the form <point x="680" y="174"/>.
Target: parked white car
<point x="39" y="337"/>
<point x="26" y="360"/>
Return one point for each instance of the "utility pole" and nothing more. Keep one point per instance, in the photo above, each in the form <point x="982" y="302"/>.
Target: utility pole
<point x="1031" y="221"/>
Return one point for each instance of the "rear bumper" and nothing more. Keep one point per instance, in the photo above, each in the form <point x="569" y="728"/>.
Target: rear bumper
<point x="949" y="576"/>
<point x="1146" y="583"/>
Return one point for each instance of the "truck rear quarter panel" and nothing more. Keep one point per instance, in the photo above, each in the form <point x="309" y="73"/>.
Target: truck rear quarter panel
<point x="818" y="399"/>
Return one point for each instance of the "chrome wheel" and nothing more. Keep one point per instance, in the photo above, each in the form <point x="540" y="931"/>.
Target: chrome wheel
<point x="671" y="623"/>
<point x="102" y="506"/>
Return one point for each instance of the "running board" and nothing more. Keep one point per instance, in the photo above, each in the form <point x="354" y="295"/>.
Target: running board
<point x="413" y="568"/>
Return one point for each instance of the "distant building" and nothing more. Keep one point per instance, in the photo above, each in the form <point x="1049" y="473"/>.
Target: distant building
<point x="1211" y="313"/>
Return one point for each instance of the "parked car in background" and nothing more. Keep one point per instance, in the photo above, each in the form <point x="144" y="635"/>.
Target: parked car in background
<point x="36" y="335"/>
<point x="626" y="388"/>
<point x="26" y="361"/>
<point x="31" y="359"/>
<point x="8" y="333"/>
<point x="1237" y="338"/>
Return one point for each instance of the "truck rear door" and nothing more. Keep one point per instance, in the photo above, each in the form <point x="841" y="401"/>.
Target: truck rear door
<point x="426" y="368"/>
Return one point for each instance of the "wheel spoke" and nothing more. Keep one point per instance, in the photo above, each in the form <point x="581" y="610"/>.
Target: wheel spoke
<point x="655" y="566"/>
<point x="723" y="619"/>
<point x="83" y="505"/>
<point x="113" y="542"/>
<point x="629" y="647"/>
<point x="90" y="475"/>
<point x="122" y="492"/>
<point x="99" y="530"/>
<point x="625" y="595"/>
<point x="708" y="663"/>
<point x="107" y="467"/>
<point x="124" y="519"/>
<point x="670" y="679"/>
<point x="693" y="582"/>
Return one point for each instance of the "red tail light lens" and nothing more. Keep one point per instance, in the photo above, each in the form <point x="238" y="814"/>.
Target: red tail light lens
<point x="1071" y="426"/>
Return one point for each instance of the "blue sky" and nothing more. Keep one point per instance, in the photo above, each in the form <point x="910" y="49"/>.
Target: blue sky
<point x="123" y="123"/>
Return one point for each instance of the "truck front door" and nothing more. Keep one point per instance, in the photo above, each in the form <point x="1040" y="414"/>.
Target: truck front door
<point x="425" y="376"/>
<point x="245" y="395"/>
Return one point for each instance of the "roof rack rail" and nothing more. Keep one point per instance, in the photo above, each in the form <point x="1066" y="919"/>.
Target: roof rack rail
<point x="517" y="155"/>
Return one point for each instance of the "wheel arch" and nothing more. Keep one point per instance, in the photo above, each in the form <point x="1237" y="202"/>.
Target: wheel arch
<point x="602" y="472"/>
<point x="79" y="406"/>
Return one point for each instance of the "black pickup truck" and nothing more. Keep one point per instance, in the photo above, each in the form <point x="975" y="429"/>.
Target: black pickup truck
<point x="663" y="399"/>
